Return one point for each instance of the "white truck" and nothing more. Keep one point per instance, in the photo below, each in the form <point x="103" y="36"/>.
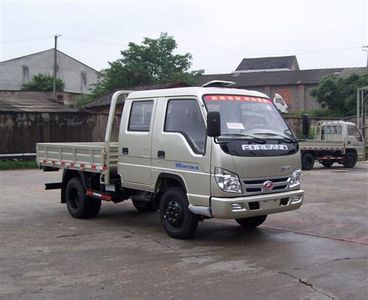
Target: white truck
<point x="193" y="153"/>
<point x="334" y="142"/>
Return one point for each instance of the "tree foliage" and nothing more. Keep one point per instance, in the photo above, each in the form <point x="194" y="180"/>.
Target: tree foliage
<point x="151" y="62"/>
<point x="43" y="83"/>
<point x="339" y="93"/>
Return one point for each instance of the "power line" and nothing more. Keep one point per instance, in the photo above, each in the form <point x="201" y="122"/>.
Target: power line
<point x="261" y="52"/>
<point x="90" y="41"/>
<point x="26" y="40"/>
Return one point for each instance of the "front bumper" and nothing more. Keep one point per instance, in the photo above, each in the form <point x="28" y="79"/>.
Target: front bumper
<point x="243" y="207"/>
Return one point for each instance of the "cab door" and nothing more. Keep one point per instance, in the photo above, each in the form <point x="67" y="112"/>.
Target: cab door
<point x="135" y="140"/>
<point x="180" y="146"/>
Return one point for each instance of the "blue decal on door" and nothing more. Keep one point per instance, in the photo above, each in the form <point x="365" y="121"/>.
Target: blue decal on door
<point x="185" y="166"/>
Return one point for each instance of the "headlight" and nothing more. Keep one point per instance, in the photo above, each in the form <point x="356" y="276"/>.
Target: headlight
<point x="294" y="180"/>
<point x="227" y="181"/>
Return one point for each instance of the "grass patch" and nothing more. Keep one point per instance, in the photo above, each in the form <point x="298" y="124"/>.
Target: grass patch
<point x="17" y="164"/>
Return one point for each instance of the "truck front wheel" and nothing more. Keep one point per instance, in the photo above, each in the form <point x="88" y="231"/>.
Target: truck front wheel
<point x="307" y="161"/>
<point x="176" y="218"/>
<point x="252" y="222"/>
<point x="350" y="159"/>
<point x="79" y="205"/>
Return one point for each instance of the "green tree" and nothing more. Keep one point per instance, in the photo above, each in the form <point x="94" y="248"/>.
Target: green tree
<point x="339" y="93"/>
<point x="152" y="62"/>
<point x="43" y="83"/>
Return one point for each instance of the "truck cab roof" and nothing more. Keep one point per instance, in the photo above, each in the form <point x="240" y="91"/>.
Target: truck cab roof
<point x="193" y="91"/>
<point x="335" y="122"/>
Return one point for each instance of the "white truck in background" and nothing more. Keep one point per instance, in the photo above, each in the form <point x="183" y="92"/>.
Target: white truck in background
<point x="334" y="142"/>
<point x="193" y="153"/>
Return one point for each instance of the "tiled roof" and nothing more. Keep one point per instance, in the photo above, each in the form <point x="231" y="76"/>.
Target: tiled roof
<point x="106" y="99"/>
<point x="45" y="51"/>
<point x="279" y="78"/>
<point x="268" y="63"/>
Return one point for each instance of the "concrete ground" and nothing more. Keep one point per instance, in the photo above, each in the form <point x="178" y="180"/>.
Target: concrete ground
<point x="317" y="252"/>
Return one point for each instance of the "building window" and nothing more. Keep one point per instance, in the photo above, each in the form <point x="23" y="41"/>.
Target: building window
<point x="25" y="73"/>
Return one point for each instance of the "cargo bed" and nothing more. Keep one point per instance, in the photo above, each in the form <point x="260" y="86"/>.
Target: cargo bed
<point x="96" y="157"/>
<point x="321" y="145"/>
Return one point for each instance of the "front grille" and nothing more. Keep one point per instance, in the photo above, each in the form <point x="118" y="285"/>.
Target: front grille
<point x="255" y="186"/>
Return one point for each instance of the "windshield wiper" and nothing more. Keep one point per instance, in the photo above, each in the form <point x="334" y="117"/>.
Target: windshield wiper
<point x="285" y="138"/>
<point x="228" y="135"/>
<point x="289" y="133"/>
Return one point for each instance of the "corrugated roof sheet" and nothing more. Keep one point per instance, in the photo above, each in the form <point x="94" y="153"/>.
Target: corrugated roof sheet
<point x="31" y="105"/>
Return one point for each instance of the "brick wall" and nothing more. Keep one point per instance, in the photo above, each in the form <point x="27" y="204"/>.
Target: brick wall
<point x="20" y="131"/>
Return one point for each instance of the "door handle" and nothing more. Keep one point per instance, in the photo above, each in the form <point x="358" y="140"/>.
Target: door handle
<point x="125" y="151"/>
<point x="161" y="154"/>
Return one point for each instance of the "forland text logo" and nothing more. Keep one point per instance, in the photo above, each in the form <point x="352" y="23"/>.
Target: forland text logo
<point x="267" y="147"/>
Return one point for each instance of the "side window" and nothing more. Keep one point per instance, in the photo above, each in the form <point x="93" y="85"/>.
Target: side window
<point x="353" y="131"/>
<point x="184" y="116"/>
<point x="140" y="116"/>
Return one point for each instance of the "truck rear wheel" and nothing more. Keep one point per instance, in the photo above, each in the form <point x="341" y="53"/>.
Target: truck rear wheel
<point x="79" y="205"/>
<point x="252" y="222"/>
<point x="176" y="218"/>
<point x="307" y="161"/>
<point x="350" y="159"/>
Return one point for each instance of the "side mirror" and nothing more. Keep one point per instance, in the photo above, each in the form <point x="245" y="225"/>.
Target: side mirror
<point x="280" y="104"/>
<point x="213" y="124"/>
<point x="305" y="125"/>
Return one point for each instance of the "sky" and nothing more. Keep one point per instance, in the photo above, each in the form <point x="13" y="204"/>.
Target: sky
<point x="218" y="33"/>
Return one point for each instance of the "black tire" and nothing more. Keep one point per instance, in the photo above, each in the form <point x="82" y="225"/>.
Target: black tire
<point x="307" y="161"/>
<point x="350" y="159"/>
<point x="176" y="218"/>
<point x="252" y="222"/>
<point x="327" y="163"/>
<point x="79" y="205"/>
<point x="94" y="206"/>
<point x="143" y="205"/>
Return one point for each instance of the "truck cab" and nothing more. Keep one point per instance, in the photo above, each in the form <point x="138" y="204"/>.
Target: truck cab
<point x="347" y="132"/>
<point x="251" y="168"/>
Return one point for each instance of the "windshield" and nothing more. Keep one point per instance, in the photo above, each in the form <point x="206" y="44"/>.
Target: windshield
<point x="247" y="115"/>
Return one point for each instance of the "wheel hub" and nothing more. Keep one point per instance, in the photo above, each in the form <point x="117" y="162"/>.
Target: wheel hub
<point x="174" y="214"/>
<point x="74" y="197"/>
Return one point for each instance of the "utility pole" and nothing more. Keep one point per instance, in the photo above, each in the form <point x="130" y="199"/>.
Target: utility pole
<point x="55" y="68"/>
<point x="365" y="48"/>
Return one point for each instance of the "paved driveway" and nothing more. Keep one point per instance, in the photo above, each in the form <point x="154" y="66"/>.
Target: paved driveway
<point x="317" y="252"/>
